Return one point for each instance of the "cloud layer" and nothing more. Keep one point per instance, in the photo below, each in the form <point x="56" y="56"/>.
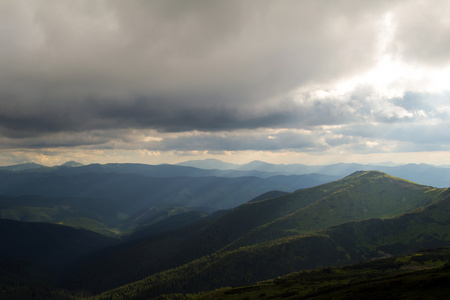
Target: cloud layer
<point x="353" y="76"/>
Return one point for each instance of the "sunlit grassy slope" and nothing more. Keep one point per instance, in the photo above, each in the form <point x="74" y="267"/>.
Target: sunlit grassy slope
<point x="361" y="196"/>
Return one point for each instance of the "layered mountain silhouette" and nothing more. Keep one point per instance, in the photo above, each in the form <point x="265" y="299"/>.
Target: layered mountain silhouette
<point x="140" y="188"/>
<point x="438" y="176"/>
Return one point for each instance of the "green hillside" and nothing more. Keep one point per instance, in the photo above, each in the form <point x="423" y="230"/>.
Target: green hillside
<point x="352" y="198"/>
<point x="340" y="245"/>
<point x="360" y="196"/>
<point x="161" y="253"/>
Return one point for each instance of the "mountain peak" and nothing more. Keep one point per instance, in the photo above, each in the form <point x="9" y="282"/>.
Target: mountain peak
<point x="374" y="176"/>
<point x="209" y="163"/>
<point x="365" y="173"/>
<point x="72" y="164"/>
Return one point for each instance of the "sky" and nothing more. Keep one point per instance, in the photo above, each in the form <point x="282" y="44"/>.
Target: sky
<point x="165" y="81"/>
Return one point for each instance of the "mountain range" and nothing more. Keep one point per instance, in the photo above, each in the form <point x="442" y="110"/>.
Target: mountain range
<point x="438" y="176"/>
<point x="117" y="232"/>
<point x="107" y="198"/>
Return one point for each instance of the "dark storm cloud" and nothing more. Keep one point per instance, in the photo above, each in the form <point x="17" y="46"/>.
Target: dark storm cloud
<point x="34" y="120"/>
<point x="243" y="141"/>
<point x="143" y="113"/>
<point x="91" y="73"/>
<point x="333" y="121"/>
<point x="171" y="65"/>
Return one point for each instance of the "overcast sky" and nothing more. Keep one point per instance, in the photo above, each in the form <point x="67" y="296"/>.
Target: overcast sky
<point x="309" y="82"/>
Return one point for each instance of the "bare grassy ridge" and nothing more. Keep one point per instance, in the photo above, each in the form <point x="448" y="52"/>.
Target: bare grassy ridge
<point x="362" y="196"/>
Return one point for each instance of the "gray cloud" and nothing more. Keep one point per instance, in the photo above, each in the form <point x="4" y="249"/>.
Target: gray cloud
<point x="243" y="141"/>
<point x="92" y="73"/>
<point x="165" y="54"/>
<point x="423" y="32"/>
<point x="25" y="120"/>
<point x="327" y="122"/>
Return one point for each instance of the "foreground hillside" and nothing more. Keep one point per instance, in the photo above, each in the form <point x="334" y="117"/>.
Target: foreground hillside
<point x="421" y="275"/>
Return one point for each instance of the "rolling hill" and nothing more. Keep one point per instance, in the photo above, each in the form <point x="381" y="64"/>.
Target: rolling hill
<point x="352" y="242"/>
<point x="360" y="196"/>
<point x="259" y="225"/>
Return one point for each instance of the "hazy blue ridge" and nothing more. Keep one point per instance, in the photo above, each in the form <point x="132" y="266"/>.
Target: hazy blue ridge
<point x="438" y="176"/>
<point x="141" y="191"/>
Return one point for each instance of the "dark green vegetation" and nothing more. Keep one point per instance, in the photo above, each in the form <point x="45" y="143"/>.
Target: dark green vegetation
<point x="34" y="255"/>
<point x="48" y="244"/>
<point x="172" y="248"/>
<point x="421" y="275"/>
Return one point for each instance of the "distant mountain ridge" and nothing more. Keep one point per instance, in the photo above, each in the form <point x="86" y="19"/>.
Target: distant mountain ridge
<point x="22" y="167"/>
<point x="438" y="176"/>
<point x="210" y="164"/>
<point x="143" y="191"/>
